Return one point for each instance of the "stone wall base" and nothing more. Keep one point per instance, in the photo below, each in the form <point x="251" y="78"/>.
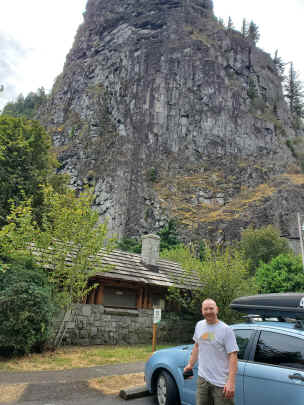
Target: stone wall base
<point x="96" y="325"/>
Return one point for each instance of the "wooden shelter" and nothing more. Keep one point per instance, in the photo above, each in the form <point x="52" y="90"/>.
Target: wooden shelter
<point x="138" y="281"/>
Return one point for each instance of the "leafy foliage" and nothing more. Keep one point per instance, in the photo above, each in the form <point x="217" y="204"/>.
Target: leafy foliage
<point x="262" y="245"/>
<point x="284" y="273"/>
<point x="68" y="243"/>
<point x="26" y="307"/>
<point x="223" y="275"/>
<point x="25" y="163"/>
<point x="72" y="233"/>
<point x="26" y="106"/>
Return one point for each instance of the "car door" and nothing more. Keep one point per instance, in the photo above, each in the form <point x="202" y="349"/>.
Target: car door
<point x="189" y="388"/>
<point x="244" y="338"/>
<point x="276" y="374"/>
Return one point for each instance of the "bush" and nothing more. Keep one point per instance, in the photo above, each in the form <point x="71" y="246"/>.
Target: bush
<point x="283" y="274"/>
<point x="262" y="245"/>
<point x="26" y="309"/>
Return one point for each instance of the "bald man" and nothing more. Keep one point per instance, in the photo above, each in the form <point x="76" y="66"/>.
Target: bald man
<point x="216" y="350"/>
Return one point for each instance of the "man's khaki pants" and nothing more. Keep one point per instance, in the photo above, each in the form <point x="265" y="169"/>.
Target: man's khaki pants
<point x="209" y="394"/>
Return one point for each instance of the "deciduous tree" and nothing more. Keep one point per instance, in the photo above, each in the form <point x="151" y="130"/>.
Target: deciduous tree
<point x="223" y="276"/>
<point x="283" y="273"/>
<point x="70" y="243"/>
<point x="26" y="162"/>
<point x="262" y="245"/>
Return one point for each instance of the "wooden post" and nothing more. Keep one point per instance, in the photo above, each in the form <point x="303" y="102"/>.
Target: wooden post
<point x="99" y="295"/>
<point x="154" y="337"/>
<point x="156" y="320"/>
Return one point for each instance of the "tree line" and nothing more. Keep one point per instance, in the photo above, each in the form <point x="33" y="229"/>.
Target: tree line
<point x="261" y="262"/>
<point x="292" y="85"/>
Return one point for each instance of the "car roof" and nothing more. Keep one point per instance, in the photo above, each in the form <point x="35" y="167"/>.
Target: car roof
<point x="273" y="326"/>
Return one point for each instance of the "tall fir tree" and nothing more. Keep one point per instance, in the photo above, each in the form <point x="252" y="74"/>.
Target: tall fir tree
<point x="230" y="25"/>
<point x="279" y="64"/>
<point x="294" y="92"/>
<point x="244" y="28"/>
<point x="253" y="33"/>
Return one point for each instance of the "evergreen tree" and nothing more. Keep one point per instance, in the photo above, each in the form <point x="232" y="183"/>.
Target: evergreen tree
<point x="253" y="32"/>
<point x="230" y="25"/>
<point x="279" y="64"/>
<point x="220" y="21"/>
<point x="294" y="93"/>
<point x="169" y="236"/>
<point x="244" y="28"/>
<point x="26" y="106"/>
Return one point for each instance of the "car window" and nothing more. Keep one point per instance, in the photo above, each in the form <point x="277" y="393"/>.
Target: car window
<point x="242" y="339"/>
<point x="281" y="350"/>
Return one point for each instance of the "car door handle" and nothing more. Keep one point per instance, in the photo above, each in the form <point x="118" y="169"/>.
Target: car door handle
<point x="296" y="376"/>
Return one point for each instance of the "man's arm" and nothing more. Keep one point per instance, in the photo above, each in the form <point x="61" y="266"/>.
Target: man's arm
<point x="229" y="388"/>
<point x="193" y="358"/>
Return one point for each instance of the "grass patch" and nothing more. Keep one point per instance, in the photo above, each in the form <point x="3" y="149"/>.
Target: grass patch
<point x="112" y="385"/>
<point x="68" y="357"/>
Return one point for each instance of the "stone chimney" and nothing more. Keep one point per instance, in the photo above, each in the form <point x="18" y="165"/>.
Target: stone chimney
<point x="150" y="249"/>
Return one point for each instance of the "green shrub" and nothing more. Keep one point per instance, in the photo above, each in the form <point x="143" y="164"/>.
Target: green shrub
<point x="283" y="274"/>
<point x="26" y="309"/>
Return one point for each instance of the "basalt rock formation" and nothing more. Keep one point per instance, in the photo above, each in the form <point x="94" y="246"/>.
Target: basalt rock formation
<point x="168" y="114"/>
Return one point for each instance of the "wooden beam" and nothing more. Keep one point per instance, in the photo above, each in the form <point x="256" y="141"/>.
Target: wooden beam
<point x="91" y="299"/>
<point x="140" y="298"/>
<point x="99" y="295"/>
<point x="145" y="298"/>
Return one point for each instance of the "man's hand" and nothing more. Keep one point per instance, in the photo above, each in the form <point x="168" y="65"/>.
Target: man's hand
<point x="188" y="373"/>
<point x="187" y="368"/>
<point x="229" y="390"/>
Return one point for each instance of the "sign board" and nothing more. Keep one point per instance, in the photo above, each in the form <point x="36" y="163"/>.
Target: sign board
<point x="156" y="315"/>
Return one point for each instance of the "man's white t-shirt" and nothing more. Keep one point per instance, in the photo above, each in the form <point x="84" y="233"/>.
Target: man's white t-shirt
<point x="215" y="342"/>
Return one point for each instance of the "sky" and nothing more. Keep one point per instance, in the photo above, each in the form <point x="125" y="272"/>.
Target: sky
<point x="36" y="35"/>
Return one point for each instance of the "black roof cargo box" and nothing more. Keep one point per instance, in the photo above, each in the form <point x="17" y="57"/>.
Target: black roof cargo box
<point x="289" y="305"/>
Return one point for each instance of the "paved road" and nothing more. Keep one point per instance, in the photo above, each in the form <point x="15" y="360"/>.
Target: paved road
<point x="78" y="395"/>
<point x="70" y="387"/>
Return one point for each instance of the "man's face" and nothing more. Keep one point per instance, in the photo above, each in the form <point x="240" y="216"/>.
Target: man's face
<point x="210" y="311"/>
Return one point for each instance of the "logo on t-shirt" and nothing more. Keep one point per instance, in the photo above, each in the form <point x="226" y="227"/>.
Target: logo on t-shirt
<point x="209" y="336"/>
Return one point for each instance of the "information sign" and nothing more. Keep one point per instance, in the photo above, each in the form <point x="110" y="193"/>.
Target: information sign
<point x="157" y="315"/>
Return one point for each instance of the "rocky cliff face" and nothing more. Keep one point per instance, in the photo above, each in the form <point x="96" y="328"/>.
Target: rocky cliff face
<point x="168" y="114"/>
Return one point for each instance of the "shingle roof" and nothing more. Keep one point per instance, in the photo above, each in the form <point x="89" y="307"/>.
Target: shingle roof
<point x="130" y="267"/>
